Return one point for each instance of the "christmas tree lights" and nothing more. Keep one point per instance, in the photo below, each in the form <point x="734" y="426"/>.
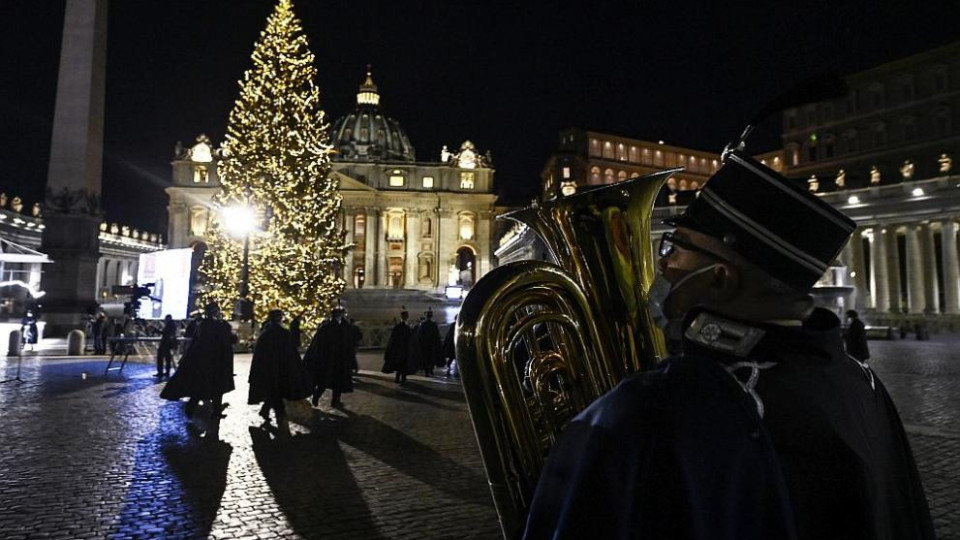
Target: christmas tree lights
<point x="276" y="160"/>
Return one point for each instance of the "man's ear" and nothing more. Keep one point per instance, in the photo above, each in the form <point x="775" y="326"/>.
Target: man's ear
<point x="725" y="282"/>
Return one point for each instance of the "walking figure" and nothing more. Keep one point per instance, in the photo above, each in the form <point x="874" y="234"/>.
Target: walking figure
<point x="329" y="357"/>
<point x="429" y="345"/>
<point x="855" y="338"/>
<point x="205" y="372"/>
<point x="398" y="357"/>
<point x="168" y="342"/>
<point x="276" y="372"/>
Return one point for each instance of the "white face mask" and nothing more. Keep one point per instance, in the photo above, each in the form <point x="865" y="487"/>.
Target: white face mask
<point x="660" y="291"/>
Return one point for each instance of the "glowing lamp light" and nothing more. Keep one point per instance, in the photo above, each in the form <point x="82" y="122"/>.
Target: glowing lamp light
<point x="853" y="200"/>
<point x="239" y="220"/>
<point x="454" y="292"/>
<point x="917" y="192"/>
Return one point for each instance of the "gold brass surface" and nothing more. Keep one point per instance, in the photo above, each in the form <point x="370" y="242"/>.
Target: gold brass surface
<point x="538" y="342"/>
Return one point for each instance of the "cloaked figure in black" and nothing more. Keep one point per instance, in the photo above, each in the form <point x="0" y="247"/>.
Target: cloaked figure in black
<point x="276" y="372"/>
<point x="399" y="357"/>
<point x="430" y="347"/>
<point x="330" y="358"/>
<point x="855" y="337"/>
<point x="168" y="342"/>
<point x="205" y="372"/>
<point x="357" y="334"/>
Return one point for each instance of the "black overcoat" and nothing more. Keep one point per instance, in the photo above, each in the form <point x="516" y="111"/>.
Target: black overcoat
<point x="276" y="369"/>
<point x="206" y="369"/>
<point x="330" y="356"/>
<point x="428" y="339"/>
<point x="399" y="355"/>
<point x="856" y="340"/>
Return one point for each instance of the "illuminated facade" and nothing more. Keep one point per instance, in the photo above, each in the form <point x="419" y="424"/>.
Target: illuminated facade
<point x="414" y="225"/>
<point x="884" y="155"/>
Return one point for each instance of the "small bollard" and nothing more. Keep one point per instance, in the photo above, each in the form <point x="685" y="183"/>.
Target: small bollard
<point x="15" y="343"/>
<point x="75" y="343"/>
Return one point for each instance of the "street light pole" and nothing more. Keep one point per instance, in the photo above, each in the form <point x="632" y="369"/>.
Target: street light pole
<point x="245" y="276"/>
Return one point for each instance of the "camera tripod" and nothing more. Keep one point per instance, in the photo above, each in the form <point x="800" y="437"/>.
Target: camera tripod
<point x="17" y="378"/>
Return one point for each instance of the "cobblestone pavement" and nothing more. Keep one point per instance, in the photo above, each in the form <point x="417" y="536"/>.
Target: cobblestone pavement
<point x="93" y="455"/>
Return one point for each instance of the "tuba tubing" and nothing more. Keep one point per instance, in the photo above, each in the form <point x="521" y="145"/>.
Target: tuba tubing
<point x="538" y="342"/>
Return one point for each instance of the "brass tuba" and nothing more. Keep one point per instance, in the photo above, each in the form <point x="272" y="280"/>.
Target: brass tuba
<point x="537" y="342"/>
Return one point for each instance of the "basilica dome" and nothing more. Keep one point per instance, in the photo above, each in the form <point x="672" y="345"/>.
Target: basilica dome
<point x="366" y="134"/>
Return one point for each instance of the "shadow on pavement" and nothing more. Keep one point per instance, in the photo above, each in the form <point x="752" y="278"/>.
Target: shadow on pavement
<point x="312" y="483"/>
<point x="178" y="480"/>
<point x="409" y="393"/>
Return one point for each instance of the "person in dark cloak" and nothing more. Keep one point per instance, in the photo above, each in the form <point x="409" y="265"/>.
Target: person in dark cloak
<point x="329" y="358"/>
<point x="295" y="331"/>
<point x="276" y="371"/>
<point x="357" y="339"/>
<point x="449" y="347"/>
<point x="399" y="357"/>
<point x="168" y="342"/>
<point x="763" y="427"/>
<point x="428" y="341"/>
<point x="855" y="338"/>
<point x="205" y="371"/>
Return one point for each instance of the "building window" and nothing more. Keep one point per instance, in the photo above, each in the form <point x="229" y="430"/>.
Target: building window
<point x="198" y="220"/>
<point x="906" y="88"/>
<point x="381" y="137"/>
<point x="594" y="175"/>
<point x="565" y="172"/>
<point x="850" y="142"/>
<point x="940" y="81"/>
<point x="909" y="126"/>
<point x="364" y="135"/>
<point x="645" y="157"/>
<point x="608" y="176"/>
<point x="359" y="230"/>
<point x="395" y="226"/>
<point x="634" y="157"/>
<point x="827" y="112"/>
<point x="829" y="146"/>
<point x="942" y="121"/>
<point x="396" y="180"/>
<point x="426" y="228"/>
<point x="658" y="158"/>
<point x="811" y="151"/>
<point x="466" y="226"/>
<point x="794" y="151"/>
<point x="621" y="176"/>
<point x="879" y="135"/>
<point x="594" y="147"/>
<point x="466" y="180"/>
<point x="876" y="96"/>
<point x="428" y="182"/>
<point x="608" y="150"/>
<point x="200" y="175"/>
<point x="621" y="152"/>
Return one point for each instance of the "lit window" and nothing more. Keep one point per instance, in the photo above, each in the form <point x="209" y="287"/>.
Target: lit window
<point x="566" y="173"/>
<point x="466" y="180"/>
<point x="428" y="181"/>
<point x="466" y="227"/>
<point x="200" y="175"/>
<point x="396" y="180"/>
<point x="594" y="175"/>
<point x="608" y="149"/>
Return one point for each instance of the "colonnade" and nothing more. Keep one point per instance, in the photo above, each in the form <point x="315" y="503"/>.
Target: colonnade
<point x="876" y="274"/>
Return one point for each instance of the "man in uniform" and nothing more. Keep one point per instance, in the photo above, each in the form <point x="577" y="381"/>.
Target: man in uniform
<point x="763" y="427"/>
<point x="400" y="356"/>
<point x="276" y="372"/>
<point x="330" y="358"/>
<point x="428" y="340"/>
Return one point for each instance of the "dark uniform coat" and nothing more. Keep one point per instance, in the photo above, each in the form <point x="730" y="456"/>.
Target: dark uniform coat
<point x="276" y="369"/>
<point x="856" y="340"/>
<point x="357" y="335"/>
<point x="400" y="354"/>
<point x="330" y="356"/>
<point x="449" y="347"/>
<point x="785" y="438"/>
<point x="206" y="368"/>
<point x="428" y="340"/>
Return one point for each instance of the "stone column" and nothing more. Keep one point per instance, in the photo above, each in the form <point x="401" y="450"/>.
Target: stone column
<point x="893" y="269"/>
<point x="411" y="248"/>
<point x="381" y="254"/>
<point x="348" y="224"/>
<point x="916" y="300"/>
<point x="71" y="208"/>
<point x="951" y="274"/>
<point x="878" y="266"/>
<point x="931" y="288"/>
<point x="369" y="237"/>
<point x="858" y="270"/>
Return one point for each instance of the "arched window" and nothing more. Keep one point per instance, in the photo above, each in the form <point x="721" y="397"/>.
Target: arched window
<point x="466" y="228"/>
<point x="608" y="176"/>
<point x="684" y="185"/>
<point x="594" y="175"/>
<point x="198" y="220"/>
<point x="621" y="176"/>
<point x="360" y="231"/>
<point x="694" y="184"/>
<point x="426" y="227"/>
<point x="466" y="265"/>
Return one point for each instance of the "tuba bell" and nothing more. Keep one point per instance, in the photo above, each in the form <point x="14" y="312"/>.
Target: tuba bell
<point x="538" y="342"/>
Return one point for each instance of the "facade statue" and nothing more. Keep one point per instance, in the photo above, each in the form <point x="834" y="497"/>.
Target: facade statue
<point x="906" y="170"/>
<point x="874" y="175"/>
<point x="841" y="180"/>
<point x="16" y="204"/>
<point x="445" y="154"/>
<point x="813" y="184"/>
<point x="945" y="164"/>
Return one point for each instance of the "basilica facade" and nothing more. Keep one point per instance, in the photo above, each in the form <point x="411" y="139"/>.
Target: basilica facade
<point x="414" y="225"/>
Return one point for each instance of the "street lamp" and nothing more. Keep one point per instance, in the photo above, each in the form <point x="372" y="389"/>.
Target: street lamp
<point x="240" y="221"/>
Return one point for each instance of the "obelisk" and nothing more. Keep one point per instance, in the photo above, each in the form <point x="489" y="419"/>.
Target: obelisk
<point x="71" y="210"/>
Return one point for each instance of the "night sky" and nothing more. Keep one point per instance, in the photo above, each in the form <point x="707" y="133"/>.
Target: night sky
<point x="506" y="75"/>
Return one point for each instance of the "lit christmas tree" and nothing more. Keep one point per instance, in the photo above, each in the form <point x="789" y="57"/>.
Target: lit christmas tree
<point x="277" y="164"/>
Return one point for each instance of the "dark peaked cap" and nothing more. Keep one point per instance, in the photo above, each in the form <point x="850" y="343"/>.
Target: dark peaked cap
<point x="786" y="231"/>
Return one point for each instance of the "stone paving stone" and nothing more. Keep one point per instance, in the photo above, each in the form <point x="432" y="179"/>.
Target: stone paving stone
<point x="102" y="456"/>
